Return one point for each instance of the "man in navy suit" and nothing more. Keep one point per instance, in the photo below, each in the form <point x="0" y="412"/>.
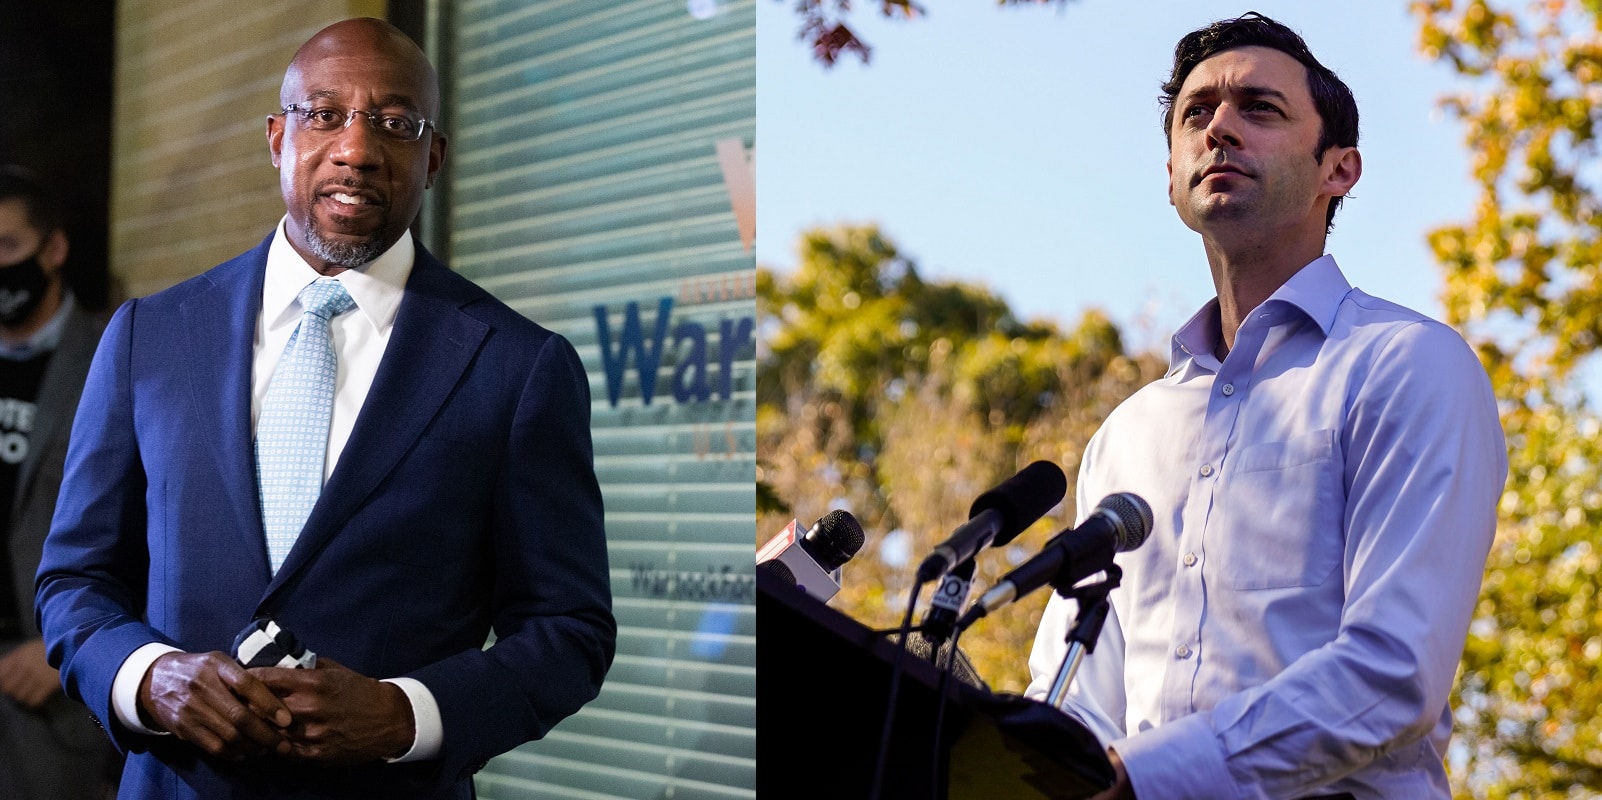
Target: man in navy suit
<point x="459" y="495"/>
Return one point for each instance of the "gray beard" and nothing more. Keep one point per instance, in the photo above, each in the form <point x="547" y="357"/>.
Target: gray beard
<point x="345" y="254"/>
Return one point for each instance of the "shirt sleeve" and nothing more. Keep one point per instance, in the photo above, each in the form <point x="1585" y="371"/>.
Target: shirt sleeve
<point x="1424" y="467"/>
<point x="125" y="687"/>
<point x="425" y="718"/>
<point x="1096" y="695"/>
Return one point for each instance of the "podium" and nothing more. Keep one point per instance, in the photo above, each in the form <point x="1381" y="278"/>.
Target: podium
<point x="823" y="682"/>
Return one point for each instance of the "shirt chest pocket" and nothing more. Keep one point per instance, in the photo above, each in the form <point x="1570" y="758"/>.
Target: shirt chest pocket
<point x="1279" y="511"/>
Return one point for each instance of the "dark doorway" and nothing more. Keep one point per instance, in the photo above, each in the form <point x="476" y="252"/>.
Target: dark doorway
<point x="56" y="62"/>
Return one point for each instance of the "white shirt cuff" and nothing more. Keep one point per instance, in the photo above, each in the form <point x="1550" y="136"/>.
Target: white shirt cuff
<point x="125" y="687"/>
<point x="425" y="716"/>
<point x="1177" y="760"/>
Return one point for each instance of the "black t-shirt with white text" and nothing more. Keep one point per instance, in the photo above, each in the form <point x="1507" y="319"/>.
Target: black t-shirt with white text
<point x="19" y="389"/>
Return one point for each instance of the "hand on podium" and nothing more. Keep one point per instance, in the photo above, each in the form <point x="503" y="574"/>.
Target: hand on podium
<point x="1121" y="788"/>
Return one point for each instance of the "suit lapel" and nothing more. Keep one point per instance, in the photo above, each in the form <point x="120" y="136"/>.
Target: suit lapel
<point x="429" y="350"/>
<point x="221" y="322"/>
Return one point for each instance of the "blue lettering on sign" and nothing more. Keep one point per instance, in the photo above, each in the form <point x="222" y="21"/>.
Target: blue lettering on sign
<point x="647" y="355"/>
<point x="692" y="380"/>
<point x="689" y="375"/>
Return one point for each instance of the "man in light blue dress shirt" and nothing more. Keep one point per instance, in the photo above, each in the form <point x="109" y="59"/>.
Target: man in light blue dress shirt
<point x="1323" y="467"/>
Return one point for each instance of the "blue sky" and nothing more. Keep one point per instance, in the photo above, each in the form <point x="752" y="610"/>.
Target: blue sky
<point x="1021" y="147"/>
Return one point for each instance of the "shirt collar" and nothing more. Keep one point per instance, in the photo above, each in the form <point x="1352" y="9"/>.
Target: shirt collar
<point x="1196" y="337"/>
<point x="1316" y="289"/>
<point x="376" y="286"/>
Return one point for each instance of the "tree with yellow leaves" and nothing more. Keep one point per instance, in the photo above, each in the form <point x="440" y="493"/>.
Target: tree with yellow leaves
<point x="903" y="399"/>
<point x="1524" y="280"/>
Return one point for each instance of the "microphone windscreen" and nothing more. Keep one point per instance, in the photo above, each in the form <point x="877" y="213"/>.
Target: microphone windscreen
<point x="1022" y="499"/>
<point x="961" y="667"/>
<point x="778" y="569"/>
<point x="834" y="540"/>
<point x="1133" y="518"/>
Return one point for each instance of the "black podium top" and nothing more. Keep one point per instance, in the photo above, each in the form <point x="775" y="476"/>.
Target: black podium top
<point x="823" y="682"/>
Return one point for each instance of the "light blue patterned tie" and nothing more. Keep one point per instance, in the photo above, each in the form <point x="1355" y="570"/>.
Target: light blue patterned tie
<point x="292" y="430"/>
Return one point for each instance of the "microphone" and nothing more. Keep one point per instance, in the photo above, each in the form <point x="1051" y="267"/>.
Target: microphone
<point x="998" y="516"/>
<point x="1119" y="524"/>
<point x="814" y="558"/>
<point x="778" y="570"/>
<point x="946" y="604"/>
<point x="264" y="644"/>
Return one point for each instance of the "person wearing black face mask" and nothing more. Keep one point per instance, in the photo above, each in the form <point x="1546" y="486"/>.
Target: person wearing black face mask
<point x="24" y="286"/>
<point x="49" y="745"/>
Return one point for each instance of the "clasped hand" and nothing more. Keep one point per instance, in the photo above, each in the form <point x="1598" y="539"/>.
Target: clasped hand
<point x="330" y="714"/>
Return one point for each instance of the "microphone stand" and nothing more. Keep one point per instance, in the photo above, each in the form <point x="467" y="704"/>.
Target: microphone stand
<point x="1081" y="639"/>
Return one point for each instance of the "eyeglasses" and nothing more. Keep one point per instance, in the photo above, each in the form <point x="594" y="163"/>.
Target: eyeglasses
<point x="406" y="127"/>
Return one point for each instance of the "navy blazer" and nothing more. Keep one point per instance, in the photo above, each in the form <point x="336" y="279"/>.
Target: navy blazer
<point x="465" y="501"/>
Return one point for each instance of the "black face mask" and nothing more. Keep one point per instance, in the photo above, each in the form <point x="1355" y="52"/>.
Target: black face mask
<point x="22" y="289"/>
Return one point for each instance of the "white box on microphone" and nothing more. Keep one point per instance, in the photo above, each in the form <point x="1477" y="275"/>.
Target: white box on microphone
<point x="786" y="548"/>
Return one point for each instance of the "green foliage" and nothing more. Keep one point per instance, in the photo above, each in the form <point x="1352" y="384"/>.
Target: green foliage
<point x="1524" y="278"/>
<point x="903" y="399"/>
<point x="857" y="321"/>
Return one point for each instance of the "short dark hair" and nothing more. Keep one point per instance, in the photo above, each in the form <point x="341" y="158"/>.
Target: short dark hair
<point x="38" y="202"/>
<point x="1337" y="109"/>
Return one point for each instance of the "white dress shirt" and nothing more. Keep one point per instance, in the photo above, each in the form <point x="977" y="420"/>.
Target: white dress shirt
<point x="360" y="337"/>
<point x="1324" y="500"/>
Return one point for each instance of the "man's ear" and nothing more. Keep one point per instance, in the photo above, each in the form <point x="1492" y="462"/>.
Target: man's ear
<point x="436" y="156"/>
<point x="1342" y="167"/>
<point x="275" y="137"/>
